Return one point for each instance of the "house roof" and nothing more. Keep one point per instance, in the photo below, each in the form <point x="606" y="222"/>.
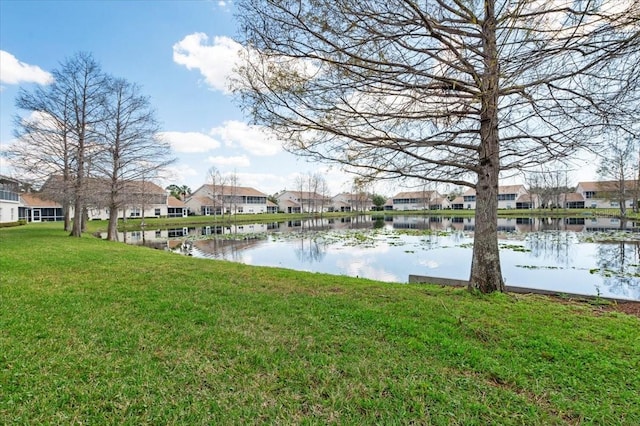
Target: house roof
<point x="573" y="196"/>
<point x="174" y="202"/>
<point x="503" y="189"/>
<point x="605" y="185"/>
<point x="235" y="190"/>
<point x="510" y="189"/>
<point x="441" y="200"/>
<point x="305" y="195"/>
<point x="203" y="201"/>
<point x="416" y="194"/>
<point x="32" y="200"/>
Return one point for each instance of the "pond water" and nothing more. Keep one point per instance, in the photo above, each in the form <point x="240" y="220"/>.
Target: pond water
<point x="586" y="255"/>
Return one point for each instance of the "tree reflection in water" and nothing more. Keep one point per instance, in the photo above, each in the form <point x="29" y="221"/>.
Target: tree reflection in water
<point x="619" y="266"/>
<point x="552" y="245"/>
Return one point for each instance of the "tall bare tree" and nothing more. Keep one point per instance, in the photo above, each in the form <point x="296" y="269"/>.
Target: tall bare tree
<point x="130" y="149"/>
<point x="451" y="91"/>
<point x="67" y="114"/>
<point x="45" y="145"/>
<point x="218" y="182"/>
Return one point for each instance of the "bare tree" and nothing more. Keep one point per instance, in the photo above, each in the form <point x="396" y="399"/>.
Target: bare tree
<point x="619" y="167"/>
<point x="44" y="147"/>
<point x="234" y="182"/>
<point x="130" y="148"/>
<point x="299" y="183"/>
<point x="448" y="91"/>
<point x="548" y="186"/>
<point x="218" y="183"/>
<point x="67" y="114"/>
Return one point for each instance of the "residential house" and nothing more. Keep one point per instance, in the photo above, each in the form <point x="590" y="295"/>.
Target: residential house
<point x="215" y="200"/>
<point x="302" y="202"/>
<point x="176" y="208"/>
<point x="347" y="202"/>
<point x="419" y="200"/>
<point x="136" y="198"/>
<point x="35" y="208"/>
<point x="509" y="197"/>
<point x="573" y="200"/>
<point x="9" y="199"/>
<point x="606" y="194"/>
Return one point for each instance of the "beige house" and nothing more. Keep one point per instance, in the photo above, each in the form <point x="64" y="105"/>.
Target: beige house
<point x="607" y="194"/>
<point x="215" y="200"/>
<point x="34" y="208"/>
<point x="302" y="202"/>
<point x="347" y="202"/>
<point x="136" y="199"/>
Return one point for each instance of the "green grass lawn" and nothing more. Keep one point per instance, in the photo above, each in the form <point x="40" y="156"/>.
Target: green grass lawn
<point x="95" y="332"/>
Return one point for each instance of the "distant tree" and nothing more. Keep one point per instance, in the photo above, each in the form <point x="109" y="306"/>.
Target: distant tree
<point x="360" y="193"/>
<point x="620" y="164"/>
<point x="218" y="182"/>
<point x="455" y="193"/>
<point x="451" y="91"/>
<point x="300" y="186"/>
<point x="174" y="190"/>
<point x="548" y="186"/>
<point x="185" y="191"/>
<point x="378" y="201"/>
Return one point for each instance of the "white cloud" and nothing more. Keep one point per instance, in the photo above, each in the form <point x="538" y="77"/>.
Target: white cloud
<point x="190" y="142"/>
<point x="179" y="174"/>
<point x="214" y="61"/>
<point x="239" y="161"/>
<point x="13" y="71"/>
<point x="254" y="139"/>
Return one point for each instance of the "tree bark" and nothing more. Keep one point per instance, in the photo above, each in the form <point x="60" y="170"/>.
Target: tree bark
<point x="112" y="230"/>
<point x="486" y="274"/>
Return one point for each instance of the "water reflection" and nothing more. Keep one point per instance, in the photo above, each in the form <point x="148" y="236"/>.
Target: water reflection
<point x="619" y="265"/>
<point x="549" y="253"/>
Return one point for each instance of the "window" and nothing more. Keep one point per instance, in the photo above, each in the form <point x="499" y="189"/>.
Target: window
<point x="135" y="212"/>
<point x="506" y="197"/>
<point x="256" y="200"/>
<point x="589" y="194"/>
<point x="468" y="198"/>
<point x="156" y="212"/>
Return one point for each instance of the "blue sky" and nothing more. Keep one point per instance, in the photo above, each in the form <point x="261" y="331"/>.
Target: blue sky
<point x="180" y="52"/>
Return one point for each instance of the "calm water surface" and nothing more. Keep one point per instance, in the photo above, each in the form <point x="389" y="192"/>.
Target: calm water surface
<point x="590" y="256"/>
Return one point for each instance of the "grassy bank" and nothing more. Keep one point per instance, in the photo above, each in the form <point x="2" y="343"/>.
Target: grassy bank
<point x="99" y="332"/>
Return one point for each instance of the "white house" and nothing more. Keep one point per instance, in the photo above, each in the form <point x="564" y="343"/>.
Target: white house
<point x="214" y="200"/>
<point x="509" y="197"/>
<point x="9" y="200"/>
<point x="419" y="200"/>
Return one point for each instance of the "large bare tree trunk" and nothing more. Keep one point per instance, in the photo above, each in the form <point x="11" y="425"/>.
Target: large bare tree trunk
<point x="112" y="230"/>
<point x="486" y="274"/>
